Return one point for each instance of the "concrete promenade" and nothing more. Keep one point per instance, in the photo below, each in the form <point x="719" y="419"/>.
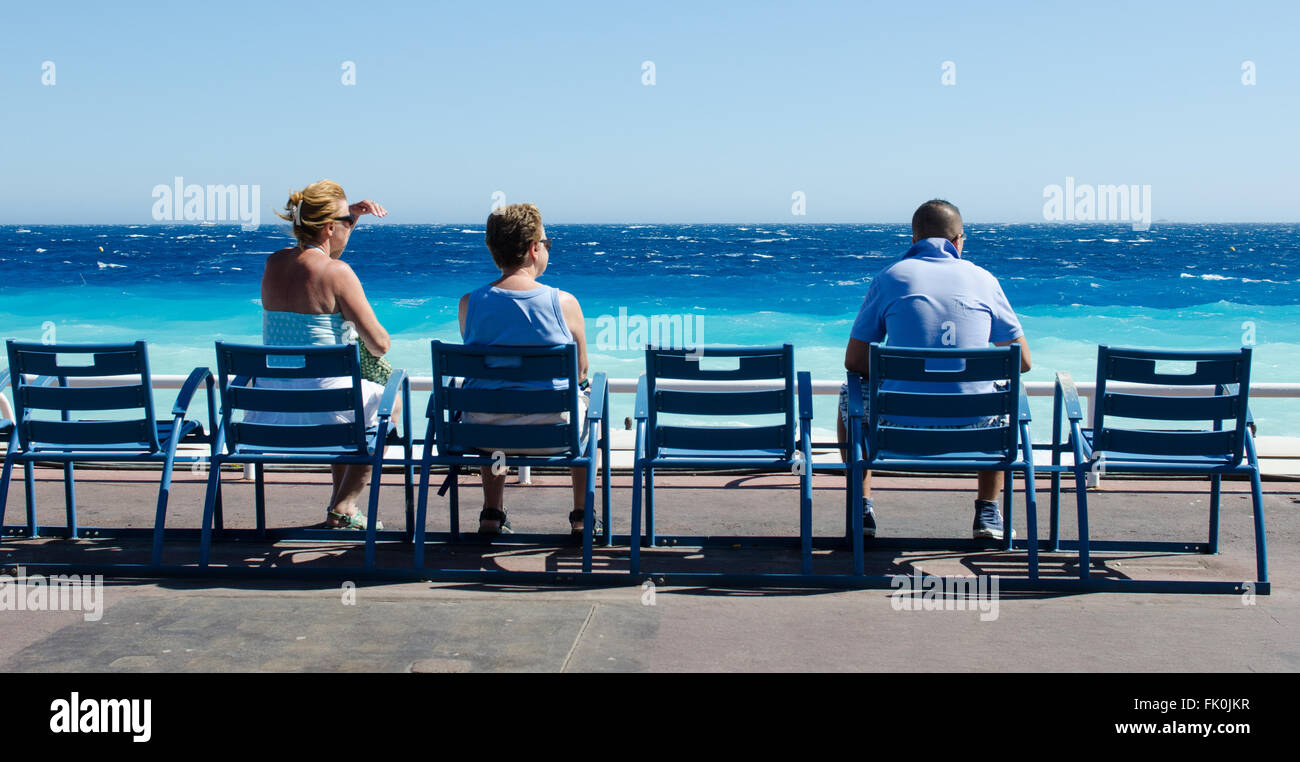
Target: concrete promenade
<point x="175" y="625"/>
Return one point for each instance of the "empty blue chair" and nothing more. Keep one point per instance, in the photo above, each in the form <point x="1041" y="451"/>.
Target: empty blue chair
<point x="1137" y="430"/>
<point x="240" y="368"/>
<point x="891" y="436"/>
<point x="460" y="444"/>
<point x="667" y="445"/>
<point x="51" y="427"/>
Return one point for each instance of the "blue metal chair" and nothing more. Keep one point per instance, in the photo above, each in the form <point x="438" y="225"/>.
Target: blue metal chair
<point x="130" y="434"/>
<point x="1162" y="443"/>
<point x="239" y="369"/>
<point x="463" y="445"/>
<point x="897" y="444"/>
<point x="690" y="446"/>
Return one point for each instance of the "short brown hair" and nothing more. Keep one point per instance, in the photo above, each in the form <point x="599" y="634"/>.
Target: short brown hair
<point x="510" y="231"/>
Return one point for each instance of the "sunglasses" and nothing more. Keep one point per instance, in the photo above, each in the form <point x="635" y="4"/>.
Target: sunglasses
<point x="547" y="243"/>
<point x="351" y="219"/>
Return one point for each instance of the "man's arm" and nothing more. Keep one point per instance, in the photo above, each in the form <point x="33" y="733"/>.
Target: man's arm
<point x="1025" y="364"/>
<point x="857" y="358"/>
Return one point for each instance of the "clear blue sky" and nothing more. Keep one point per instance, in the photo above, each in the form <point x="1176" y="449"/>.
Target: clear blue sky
<point x="752" y="102"/>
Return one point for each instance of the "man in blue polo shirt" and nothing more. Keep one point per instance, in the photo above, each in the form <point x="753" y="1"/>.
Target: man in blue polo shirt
<point x="934" y="298"/>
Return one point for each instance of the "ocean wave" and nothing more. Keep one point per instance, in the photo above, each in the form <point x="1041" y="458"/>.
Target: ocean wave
<point x="41" y="251"/>
<point x="105" y="266"/>
<point x="467" y="230"/>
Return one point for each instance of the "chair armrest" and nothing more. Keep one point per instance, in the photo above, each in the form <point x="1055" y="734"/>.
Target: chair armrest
<point x="805" y="396"/>
<point x="855" y="396"/>
<point x="1069" y="395"/>
<point x="191" y="385"/>
<point x="1024" y="403"/>
<point x="596" y="409"/>
<point x="391" y="390"/>
<point x="642" y="410"/>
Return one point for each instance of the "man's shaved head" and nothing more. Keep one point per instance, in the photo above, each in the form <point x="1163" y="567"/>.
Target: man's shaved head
<point x="936" y="219"/>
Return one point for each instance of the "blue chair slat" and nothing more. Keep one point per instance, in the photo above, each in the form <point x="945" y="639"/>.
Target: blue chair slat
<point x="1158" y="408"/>
<point x="1128" y="441"/>
<point x="290" y="400"/>
<point x="524" y="366"/>
<point x="721" y="403"/>
<point x="684" y="364"/>
<point x="306" y="361"/>
<point x="724" y="438"/>
<point x="1142" y="370"/>
<point x="945" y="405"/>
<point x="493" y="401"/>
<point x="467" y="436"/>
<point x="908" y="366"/>
<point x="83" y="397"/>
<point x="901" y="442"/>
<point x="120" y="360"/>
<point x="283" y="436"/>
<point x="136" y="433"/>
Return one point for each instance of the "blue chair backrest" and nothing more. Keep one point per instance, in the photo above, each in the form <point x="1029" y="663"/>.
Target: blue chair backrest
<point x="529" y="367"/>
<point x="1228" y="372"/>
<point x="772" y="364"/>
<point x="138" y="431"/>
<point x="944" y="366"/>
<point x="241" y="366"/>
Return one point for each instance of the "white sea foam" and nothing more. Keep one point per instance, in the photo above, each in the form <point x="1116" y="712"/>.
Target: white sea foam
<point x="413" y="302"/>
<point x="467" y="230"/>
<point x="1111" y="240"/>
<point x="105" y="266"/>
<point x="40" y="251"/>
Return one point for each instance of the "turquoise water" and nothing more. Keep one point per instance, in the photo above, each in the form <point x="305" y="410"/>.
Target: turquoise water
<point x="181" y="288"/>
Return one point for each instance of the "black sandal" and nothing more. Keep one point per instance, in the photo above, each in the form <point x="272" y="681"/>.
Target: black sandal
<point x="493" y="514"/>
<point x="577" y="518"/>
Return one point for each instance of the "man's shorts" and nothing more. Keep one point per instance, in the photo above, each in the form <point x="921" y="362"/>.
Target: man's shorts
<point x="988" y="422"/>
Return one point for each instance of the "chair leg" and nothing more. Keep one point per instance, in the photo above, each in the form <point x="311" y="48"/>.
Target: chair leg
<point x="421" y="512"/>
<point x="5" y="475"/>
<point x="805" y="520"/>
<point x="70" y="498"/>
<point x="160" y="514"/>
<point x="854" y="497"/>
<point x="650" y="506"/>
<point x="1261" y="544"/>
<point x="1081" y="500"/>
<point x="1008" y="507"/>
<point x="211" y="510"/>
<point x="634" y="547"/>
<point x="1031" y="505"/>
<point x="605" y="488"/>
<point x="1215" y="483"/>
<point x="588" y="518"/>
<point x="372" y="514"/>
<point x="219" y="517"/>
<point x="454" y="506"/>
<point x="259" y="489"/>
<point x="408" y="476"/>
<point x="1054" y="514"/>
<point x="29" y="479"/>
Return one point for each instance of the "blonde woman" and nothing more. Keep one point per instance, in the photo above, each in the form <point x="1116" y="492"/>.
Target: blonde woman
<point x="308" y="295"/>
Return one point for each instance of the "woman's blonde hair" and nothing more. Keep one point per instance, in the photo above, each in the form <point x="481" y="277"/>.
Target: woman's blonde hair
<point x="311" y="209"/>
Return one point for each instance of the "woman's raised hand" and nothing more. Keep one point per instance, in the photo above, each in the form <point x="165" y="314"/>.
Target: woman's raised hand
<point x="367" y="207"/>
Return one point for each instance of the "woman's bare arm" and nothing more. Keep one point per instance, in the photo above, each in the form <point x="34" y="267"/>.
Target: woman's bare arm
<point x="356" y="309"/>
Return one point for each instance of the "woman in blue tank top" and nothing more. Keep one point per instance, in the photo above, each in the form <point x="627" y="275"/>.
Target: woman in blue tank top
<point x="516" y="309"/>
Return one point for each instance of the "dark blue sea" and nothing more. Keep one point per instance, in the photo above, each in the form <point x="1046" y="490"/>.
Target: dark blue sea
<point x="1075" y="286"/>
